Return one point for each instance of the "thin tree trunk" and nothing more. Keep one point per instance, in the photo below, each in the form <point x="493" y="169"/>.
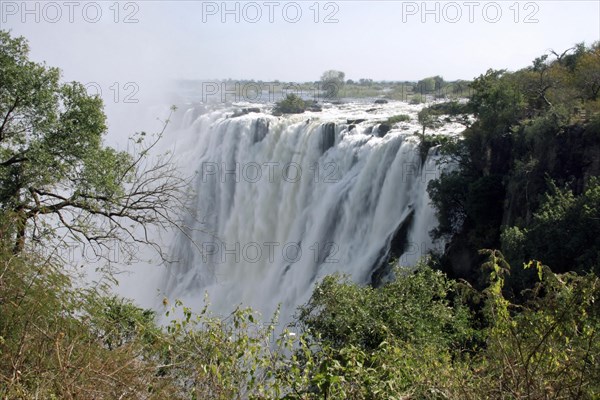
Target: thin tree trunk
<point x="21" y="224"/>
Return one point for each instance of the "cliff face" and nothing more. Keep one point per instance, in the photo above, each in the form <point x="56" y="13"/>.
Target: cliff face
<point x="517" y="169"/>
<point x="569" y="156"/>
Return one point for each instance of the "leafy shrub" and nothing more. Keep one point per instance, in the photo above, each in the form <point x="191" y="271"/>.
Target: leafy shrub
<point x="381" y="343"/>
<point x="564" y="231"/>
<point x="430" y="141"/>
<point x="452" y="108"/>
<point x="545" y="347"/>
<point x="292" y="104"/>
<point x="398" y="118"/>
<point x="417" y="99"/>
<point x="412" y="307"/>
<point x="422" y="335"/>
<point x="50" y="349"/>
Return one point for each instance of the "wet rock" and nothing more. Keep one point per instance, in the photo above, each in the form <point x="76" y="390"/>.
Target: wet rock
<point x="382" y="129"/>
<point x="244" y="111"/>
<point x="356" y="121"/>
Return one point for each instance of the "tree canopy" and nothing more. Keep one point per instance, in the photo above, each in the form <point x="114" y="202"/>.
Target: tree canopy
<point x="526" y="172"/>
<point x="55" y="171"/>
<point x="332" y="82"/>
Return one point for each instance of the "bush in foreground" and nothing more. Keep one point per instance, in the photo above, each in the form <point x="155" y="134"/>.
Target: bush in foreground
<point x="422" y="335"/>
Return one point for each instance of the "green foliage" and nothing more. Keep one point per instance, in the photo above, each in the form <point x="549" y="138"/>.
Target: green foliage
<point x="292" y="104"/>
<point x="54" y="166"/>
<point x="462" y="202"/>
<point x="496" y="101"/>
<point x="385" y="342"/>
<point x="50" y="348"/>
<point x="117" y="322"/>
<point x="564" y="231"/>
<point x="430" y="141"/>
<point x="484" y="207"/>
<point x="460" y="88"/>
<point x="433" y="348"/>
<point x="531" y="125"/>
<point x="392" y="371"/>
<point x="426" y="85"/>
<point x="452" y="108"/>
<point x="398" y="118"/>
<point x="513" y="243"/>
<point x="449" y="198"/>
<point x="422" y="335"/>
<point x="544" y="347"/>
<point x="53" y="129"/>
<point x="587" y="73"/>
<point x="417" y="99"/>
<point x="412" y="307"/>
<point x="430" y="85"/>
<point x="428" y="119"/>
<point x="59" y="341"/>
<point x="332" y="82"/>
<point x="223" y="358"/>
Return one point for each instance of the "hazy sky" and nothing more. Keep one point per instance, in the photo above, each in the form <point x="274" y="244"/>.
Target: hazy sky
<point x="393" y="40"/>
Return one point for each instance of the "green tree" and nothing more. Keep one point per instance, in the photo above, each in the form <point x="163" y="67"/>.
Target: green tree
<point x="497" y="102"/>
<point x="460" y="88"/>
<point x="541" y="83"/>
<point x="292" y="104"/>
<point x="430" y="85"/>
<point x="59" y="341"/>
<point x="532" y="124"/>
<point x="411" y="308"/>
<point x="587" y="73"/>
<point x="544" y="347"/>
<point x="564" y="230"/>
<point x="428" y="119"/>
<point x="426" y="85"/>
<point x="332" y="82"/>
<point x="55" y="170"/>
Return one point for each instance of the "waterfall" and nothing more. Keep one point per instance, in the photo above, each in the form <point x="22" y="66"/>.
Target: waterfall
<point x="280" y="202"/>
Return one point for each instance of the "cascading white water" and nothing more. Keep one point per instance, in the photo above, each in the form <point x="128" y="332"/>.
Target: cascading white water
<point x="282" y="201"/>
